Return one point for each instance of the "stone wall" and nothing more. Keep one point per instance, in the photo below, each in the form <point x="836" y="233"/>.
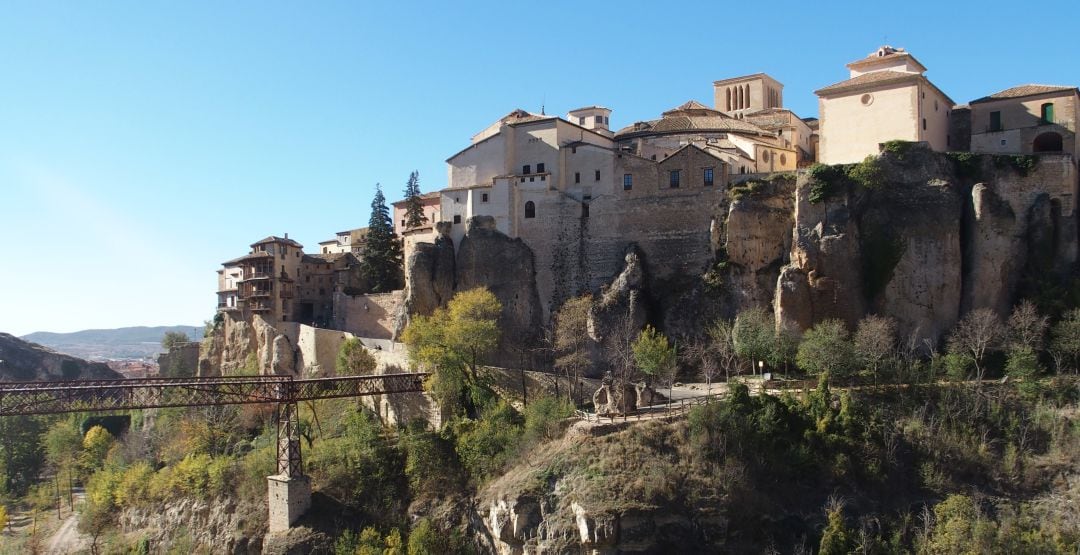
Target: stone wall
<point x="179" y="360"/>
<point x="371" y="315"/>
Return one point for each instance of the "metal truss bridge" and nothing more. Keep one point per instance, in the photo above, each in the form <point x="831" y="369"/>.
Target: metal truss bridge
<point x="27" y="398"/>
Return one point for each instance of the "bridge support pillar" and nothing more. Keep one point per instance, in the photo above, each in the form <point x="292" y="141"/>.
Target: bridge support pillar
<point x="289" y="497"/>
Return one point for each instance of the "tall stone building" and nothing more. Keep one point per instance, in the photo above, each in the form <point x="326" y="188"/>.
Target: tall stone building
<point x="1027" y="119"/>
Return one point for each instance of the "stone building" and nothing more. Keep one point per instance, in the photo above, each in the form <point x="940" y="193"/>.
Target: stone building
<point x="886" y="97"/>
<point x="262" y="281"/>
<point x="352" y="240"/>
<point x="1027" y="119"/>
<point x="425" y="232"/>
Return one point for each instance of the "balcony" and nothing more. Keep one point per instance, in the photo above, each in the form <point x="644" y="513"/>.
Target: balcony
<point x="286" y="293"/>
<point x="258" y="275"/>
<point x="258" y="293"/>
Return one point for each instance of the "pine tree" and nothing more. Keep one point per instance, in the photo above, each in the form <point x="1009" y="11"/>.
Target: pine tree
<point x="382" y="263"/>
<point x="414" y="211"/>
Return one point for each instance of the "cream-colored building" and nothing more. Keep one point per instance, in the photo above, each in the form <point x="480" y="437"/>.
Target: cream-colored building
<point x="886" y="97"/>
<point x="1027" y="119"/>
<point x="740" y="96"/>
<point x="351" y="241"/>
<point x="262" y="281"/>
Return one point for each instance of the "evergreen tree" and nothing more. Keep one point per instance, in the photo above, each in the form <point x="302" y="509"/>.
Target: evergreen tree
<point x="382" y="263"/>
<point x="414" y="211"/>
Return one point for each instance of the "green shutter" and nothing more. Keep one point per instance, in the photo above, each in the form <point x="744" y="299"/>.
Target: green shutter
<point x="1048" y="112"/>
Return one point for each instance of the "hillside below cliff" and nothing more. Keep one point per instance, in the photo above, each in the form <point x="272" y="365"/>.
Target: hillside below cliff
<point x="22" y="361"/>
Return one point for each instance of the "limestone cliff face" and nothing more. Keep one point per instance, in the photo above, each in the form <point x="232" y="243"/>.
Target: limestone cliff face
<point x="214" y="525"/>
<point x="430" y="275"/>
<point x="22" y="361"/>
<point x="237" y="342"/>
<point x="758" y="241"/>
<point x="928" y="243"/>
<point x="505" y="266"/>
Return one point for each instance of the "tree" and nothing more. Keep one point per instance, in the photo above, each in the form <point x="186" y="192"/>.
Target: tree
<point x="382" y="259"/>
<point x="96" y="444"/>
<point x="655" y="357"/>
<point x="414" y="210"/>
<point x="753" y="336"/>
<point x="572" y="339"/>
<point x="453" y="341"/>
<point x="837" y="538"/>
<point x="1026" y="327"/>
<point x="63" y="443"/>
<point x="700" y="353"/>
<point x="722" y="343"/>
<point x="173" y="339"/>
<point x="353" y="359"/>
<point x="874" y="342"/>
<point x="825" y="348"/>
<point x="1065" y="340"/>
<point x="978" y="332"/>
<point x="22" y="453"/>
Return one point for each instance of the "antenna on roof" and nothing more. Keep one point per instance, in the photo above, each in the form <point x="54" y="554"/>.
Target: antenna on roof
<point x="543" y="100"/>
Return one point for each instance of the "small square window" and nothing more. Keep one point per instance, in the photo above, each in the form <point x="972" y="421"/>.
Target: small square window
<point x="526" y="169"/>
<point x="673" y="179"/>
<point x="573" y="150"/>
<point x="484" y="197"/>
<point x="628" y="181"/>
<point x="539" y="168"/>
<point x="598" y="175"/>
<point x="577" y="177"/>
<point x="457" y="218"/>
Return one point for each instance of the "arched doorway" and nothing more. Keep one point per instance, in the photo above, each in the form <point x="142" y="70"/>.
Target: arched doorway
<point x="1047" y="142"/>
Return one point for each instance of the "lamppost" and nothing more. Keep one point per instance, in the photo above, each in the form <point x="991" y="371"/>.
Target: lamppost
<point x="761" y="368"/>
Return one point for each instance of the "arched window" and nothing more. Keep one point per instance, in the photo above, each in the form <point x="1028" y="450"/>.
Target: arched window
<point x="747" y="96"/>
<point x="530" y="209"/>
<point x="728" y="90"/>
<point x="1048" y="142"/>
<point x="1047" y="115"/>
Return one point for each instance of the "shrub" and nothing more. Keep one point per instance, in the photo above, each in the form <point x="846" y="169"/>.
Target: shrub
<point x="966" y="164"/>
<point x="897" y="148"/>
<point x="867" y="173"/>
<point x="485" y="445"/>
<point x="544" y="418"/>
<point x="827" y="181"/>
<point x="826" y="348"/>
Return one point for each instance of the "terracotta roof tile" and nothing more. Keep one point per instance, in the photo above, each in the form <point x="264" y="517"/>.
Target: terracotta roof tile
<point x="873" y="78"/>
<point x="1024" y="90"/>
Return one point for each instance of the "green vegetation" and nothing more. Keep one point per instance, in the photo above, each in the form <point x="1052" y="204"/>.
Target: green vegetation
<point x="899" y="149"/>
<point x="831" y="180"/>
<point x="966" y="164"/>
<point x="452" y="343"/>
<point x="1021" y="163"/>
<point x="174" y="338"/>
<point x="414" y="210"/>
<point x="353" y="359"/>
<point x="381" y="264"/>
<point x="825" y="349"/>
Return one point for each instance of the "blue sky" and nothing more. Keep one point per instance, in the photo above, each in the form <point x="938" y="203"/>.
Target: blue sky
<point x="143" y="143"/>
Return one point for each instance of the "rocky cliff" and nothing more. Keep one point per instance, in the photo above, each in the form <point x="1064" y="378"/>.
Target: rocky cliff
<point x="22" y="361"/>
<point x="239" y="346"/>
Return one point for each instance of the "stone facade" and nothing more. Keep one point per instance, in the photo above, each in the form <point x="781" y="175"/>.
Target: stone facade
<point x="373" y="315"/>
<point x="1027" y="119"/>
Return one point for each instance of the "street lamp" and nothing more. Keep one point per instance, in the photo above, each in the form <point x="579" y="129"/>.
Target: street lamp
<point x="761" y="368"/>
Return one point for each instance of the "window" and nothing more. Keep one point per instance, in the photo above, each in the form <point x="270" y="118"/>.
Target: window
<point x="924" y="124"/>
<point x="573" y="150"/>
<point x="526" y="169"/>
<point x="599" y="120"/>
<point x="539" y="168"/>
<point x="484" y="197"/>
<point x="673" y="179"/>
<point x="530" y="209"/>
<point x="627" y="181"/>
<point x="581" y="120"/>
<point x="577" y="177"/>
<point x="995" y="121"/>
<point x="598" y="175"/>
<point x="1047" y="115"/>
<point x="402" y="223"/>
<point x="708" y="177"/>
<point x="585" y="205"/>
<point x="457" y="218"/>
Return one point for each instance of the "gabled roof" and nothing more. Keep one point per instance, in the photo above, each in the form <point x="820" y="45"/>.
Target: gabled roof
<point x="693" y="107"/>
<point x="252" y="256"/>
<point x="276" y="239"/>
<point x="424" y="196"/>
<point x="885" y="53"/>
<point x="1025" y="90"/>
<point x="868" y="79"/>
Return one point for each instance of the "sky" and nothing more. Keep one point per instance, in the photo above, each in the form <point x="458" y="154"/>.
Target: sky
<point x="144" y="143"/>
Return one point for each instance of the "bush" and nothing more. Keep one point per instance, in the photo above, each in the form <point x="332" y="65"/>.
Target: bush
<point x="867" y="173"/>
<point x="485" y="445"/>
<point x="544" y="418"/>
<point x="826" y="348"/>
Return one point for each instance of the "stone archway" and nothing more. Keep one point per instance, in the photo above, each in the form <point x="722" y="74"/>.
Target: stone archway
<point x="1048" y="142"/>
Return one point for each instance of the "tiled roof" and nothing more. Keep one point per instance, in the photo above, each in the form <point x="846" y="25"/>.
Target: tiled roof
<point x="1024" y="90"/>
<point x="328" y="258"/>
<point x="251" y="256"/>
<point x="690" y="105"/>
<point x="276" y="239"/>
<point x="873" y="78"/>
<point x="673" y="123"/>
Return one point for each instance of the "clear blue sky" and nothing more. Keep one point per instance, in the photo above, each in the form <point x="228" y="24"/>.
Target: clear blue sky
<point x="143" y="143"/>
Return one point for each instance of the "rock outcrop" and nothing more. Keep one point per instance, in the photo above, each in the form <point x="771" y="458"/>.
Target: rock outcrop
<point x="22" y="361"/>
<point x="238" y="345"/>
<point x="179" y="360"/>
<point x="430" y="275"/>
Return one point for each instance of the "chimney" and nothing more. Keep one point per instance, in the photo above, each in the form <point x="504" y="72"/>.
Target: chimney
<point x="286" y="235"/>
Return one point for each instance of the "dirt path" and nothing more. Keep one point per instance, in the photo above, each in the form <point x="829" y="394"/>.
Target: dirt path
<point x="67" y="538"/>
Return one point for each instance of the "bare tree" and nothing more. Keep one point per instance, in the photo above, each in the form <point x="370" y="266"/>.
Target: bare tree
<point x="620" y="352"/>
<point x="700" y="353"/>
<point x="977" y="333"/>
<point x="1065" y="341"/>
<point x="722" y="343"/>
<point x="1027" y="328"/>
<point x="875" y="341"/>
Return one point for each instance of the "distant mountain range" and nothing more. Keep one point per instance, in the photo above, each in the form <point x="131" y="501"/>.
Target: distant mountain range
<point x="120" y="343"/>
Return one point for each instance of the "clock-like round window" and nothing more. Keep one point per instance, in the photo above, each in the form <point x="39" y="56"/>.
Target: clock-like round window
<point x="867" y="99"/>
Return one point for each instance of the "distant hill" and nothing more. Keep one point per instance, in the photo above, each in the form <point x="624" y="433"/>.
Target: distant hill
<point x="120" y="343"/>
<point x="22" y="361"/>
